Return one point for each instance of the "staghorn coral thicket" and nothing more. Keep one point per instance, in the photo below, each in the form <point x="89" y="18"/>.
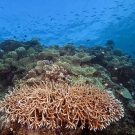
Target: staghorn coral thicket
<point x="53" y="104"/>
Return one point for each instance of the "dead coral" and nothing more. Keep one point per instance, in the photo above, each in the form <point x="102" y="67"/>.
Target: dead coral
<point x="52" y="105"/>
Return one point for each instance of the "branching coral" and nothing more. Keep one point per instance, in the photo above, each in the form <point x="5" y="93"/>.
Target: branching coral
<point x="53" y="104"/>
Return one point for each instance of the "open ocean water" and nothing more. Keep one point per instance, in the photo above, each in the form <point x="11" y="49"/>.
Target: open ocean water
<point x="82" y="22"/>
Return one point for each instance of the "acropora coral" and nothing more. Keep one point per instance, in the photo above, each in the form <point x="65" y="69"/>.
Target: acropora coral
<point x="52" y="105"/>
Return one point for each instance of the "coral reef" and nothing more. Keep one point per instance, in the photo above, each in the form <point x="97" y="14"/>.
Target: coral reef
<point x="117" y="52"/>
<point x="20" y="51"/>
<point x="44" y="70"/>
<point x="67" y="49"/>
<point x="53" y="105"/>
<point x="30" y="51"/>
<point x="12" y="54"/>
<point x="112" y="69"/>
<point x="50" y="54"/>
<point x="76" y="61"/>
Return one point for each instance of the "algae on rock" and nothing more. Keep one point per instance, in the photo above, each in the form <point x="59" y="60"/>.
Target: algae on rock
<point x="125" y="93"/>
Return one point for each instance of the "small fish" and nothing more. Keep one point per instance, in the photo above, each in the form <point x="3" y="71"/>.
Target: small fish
<point x="133" y="52"/>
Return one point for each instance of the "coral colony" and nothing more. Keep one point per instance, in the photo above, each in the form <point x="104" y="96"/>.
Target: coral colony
<point x="52" y="105"/>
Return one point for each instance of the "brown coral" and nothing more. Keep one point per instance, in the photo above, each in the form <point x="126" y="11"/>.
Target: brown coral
<point x="45" y="70"/>
<point x="52" y="105"/>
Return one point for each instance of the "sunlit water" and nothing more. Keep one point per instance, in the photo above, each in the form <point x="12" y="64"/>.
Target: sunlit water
<point x="81" y="22"/>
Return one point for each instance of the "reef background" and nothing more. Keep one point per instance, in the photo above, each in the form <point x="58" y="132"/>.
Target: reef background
<point x="104" y="66"/>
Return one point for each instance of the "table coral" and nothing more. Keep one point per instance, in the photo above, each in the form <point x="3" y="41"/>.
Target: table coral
<point x="52" y="105"/>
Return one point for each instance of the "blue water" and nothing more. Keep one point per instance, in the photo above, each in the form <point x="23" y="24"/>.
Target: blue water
<point x="81" y="22"/>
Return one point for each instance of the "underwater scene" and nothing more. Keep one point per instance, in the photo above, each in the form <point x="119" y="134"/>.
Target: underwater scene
<point x="67" y="67"/>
